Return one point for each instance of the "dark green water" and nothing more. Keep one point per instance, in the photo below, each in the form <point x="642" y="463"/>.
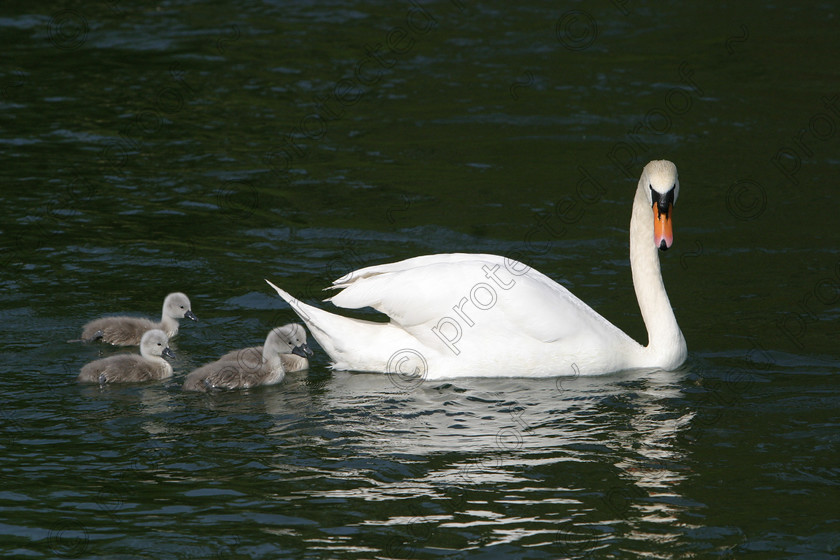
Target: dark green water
<point x="203" y="147"/>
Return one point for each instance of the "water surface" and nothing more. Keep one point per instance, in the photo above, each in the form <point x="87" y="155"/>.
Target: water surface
<point x="202" y="148"/>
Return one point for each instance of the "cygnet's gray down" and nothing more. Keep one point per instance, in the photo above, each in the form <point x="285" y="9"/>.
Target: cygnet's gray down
<point x="127" y="331"/>
<point x="291" y="335"/>
<point x="149" y="365"/>
<point x="243" y="369"/>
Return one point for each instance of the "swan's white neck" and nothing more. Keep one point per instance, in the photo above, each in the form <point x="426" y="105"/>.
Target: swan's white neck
<point x="666" y="346"/>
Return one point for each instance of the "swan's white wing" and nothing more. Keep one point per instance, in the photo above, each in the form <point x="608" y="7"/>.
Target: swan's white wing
<point x="416" y="262"/>
<point x="490" y="293"/>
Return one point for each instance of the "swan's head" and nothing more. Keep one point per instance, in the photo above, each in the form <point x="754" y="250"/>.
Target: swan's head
<point x="662" y="187"/>
<point x="155" y="343"/>
<point x="289" y="339"/>
<point x="177" y="305"/>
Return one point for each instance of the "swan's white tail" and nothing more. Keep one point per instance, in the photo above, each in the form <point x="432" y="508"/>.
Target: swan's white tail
<point x="352" y="344"/>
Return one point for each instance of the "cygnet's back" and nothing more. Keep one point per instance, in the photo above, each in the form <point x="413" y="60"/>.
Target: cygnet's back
<point x="149" y="365"/>
<point x="243" y="369"/>
<point x="128" y="331"/>
<point x="289" y="341"/>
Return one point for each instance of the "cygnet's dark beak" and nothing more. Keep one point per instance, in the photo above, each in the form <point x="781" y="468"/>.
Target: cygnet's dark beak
<point x="190" y="315"/>
<point x="303" y="351"/>
<point x="168" y="352"/>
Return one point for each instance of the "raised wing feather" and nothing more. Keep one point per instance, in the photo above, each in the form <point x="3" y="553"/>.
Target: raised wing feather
<point x="417" y="294"/>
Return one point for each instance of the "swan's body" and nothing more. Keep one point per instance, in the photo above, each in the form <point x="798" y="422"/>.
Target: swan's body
<point x="285" y="347"/>
<point x="128" y="331"/>
<point x="133" y="368"/>
<point x="483" y="315"/>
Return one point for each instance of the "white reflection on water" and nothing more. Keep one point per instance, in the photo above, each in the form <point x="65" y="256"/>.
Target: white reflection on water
<point x="482" y="452"/>
<point x="569" y="465"/>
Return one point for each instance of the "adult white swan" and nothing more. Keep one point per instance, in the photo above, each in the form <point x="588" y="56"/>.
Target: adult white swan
<point x="457" y="315"/>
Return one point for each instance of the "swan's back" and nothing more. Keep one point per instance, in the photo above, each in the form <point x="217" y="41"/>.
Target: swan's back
<point x="485" y="314"/>
<point x="491" y="293"/>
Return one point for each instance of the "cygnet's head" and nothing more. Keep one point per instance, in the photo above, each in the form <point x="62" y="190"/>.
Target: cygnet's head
<point x="289" y="339"/>
<point x="660" y="183"/>
<point x="155" y="344"/>
<point x="177" y="306"/>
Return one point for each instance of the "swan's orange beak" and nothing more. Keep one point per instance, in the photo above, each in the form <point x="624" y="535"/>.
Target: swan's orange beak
<point x="663" y="234"/>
